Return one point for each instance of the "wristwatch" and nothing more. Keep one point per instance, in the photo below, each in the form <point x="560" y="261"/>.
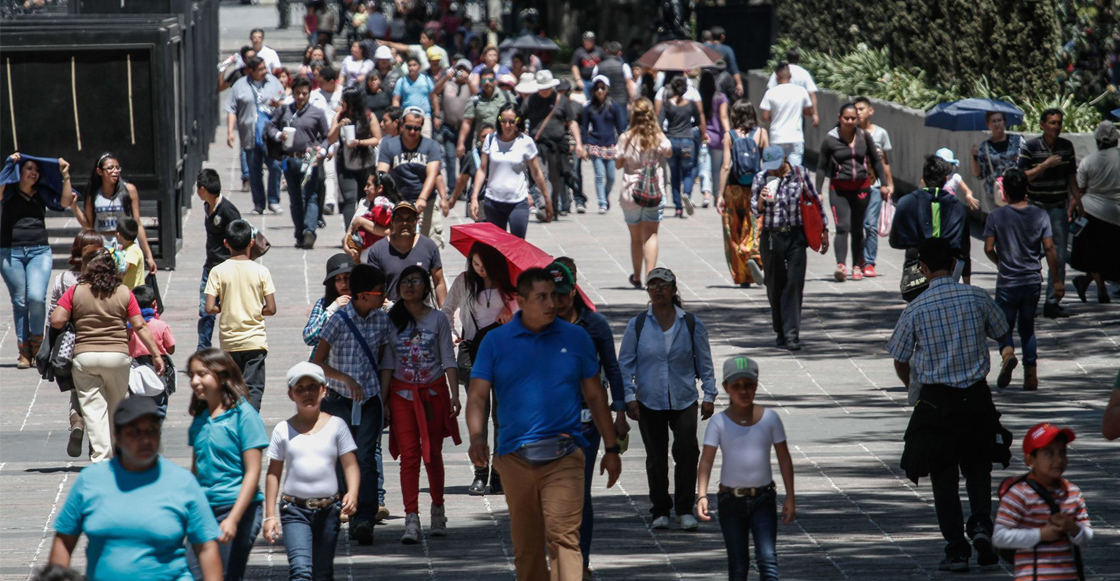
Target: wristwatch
<point x="615" y="449"/>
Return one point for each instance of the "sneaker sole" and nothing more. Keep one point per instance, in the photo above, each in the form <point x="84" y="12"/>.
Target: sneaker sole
<point x="74" y="445"/>
<point x="409" y="541"/>
<point x="1009" y="366"/>
<point x="689" y="208"/>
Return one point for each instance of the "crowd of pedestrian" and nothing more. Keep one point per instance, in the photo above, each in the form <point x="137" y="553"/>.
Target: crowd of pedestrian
<point x="392" y="138"/>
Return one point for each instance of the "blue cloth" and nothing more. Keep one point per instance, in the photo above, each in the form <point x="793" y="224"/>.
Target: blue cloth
<point x="310" y="540"/>
<point x="218" y="444"/>
<point x="742" y="519"/>
<point x="682" y="170"/>
<point x="27" y="274"/>
<point x="1018" y="233"/>
<point x="1059" y="227"/>
<point x="599" y="328"/>
<point x="602" y="125"/>
<point x="871" y="226"/>
<point x="604" y="179"/>
<point x="136" y="521"/>
<point x="415" y="93"/>
<point x="913" y="219"/>
<point x="728" y="56"/>
<point x="50" y="179"/>
<point x="663" y="380"/>
<point x="536" y="378"/>
<point x="949" y="322"/>
<point x="205" y="321"/>
<point x="235" y="554"/>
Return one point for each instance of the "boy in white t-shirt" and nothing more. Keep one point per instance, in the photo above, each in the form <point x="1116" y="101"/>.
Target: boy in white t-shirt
<point x="745" y="432"/>
<point x="783" y="107"/>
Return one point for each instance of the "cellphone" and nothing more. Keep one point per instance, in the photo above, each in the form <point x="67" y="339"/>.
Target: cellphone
<point x="1078" y="225"/>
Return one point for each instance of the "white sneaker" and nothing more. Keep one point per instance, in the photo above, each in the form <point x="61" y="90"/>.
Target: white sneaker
<point x="661" y="522"/>
<point x="439" y="522"/>
<point x="688" y="522"/>
<point x="411" y="534"/>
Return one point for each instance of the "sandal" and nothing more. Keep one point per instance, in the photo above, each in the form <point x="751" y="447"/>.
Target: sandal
<point x="634" y="281"/>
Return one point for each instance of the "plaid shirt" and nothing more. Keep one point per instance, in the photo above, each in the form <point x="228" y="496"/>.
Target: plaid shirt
<point x="785" y="210"/>
<point x="948" y="324"/>
<point x="347" y="354"/>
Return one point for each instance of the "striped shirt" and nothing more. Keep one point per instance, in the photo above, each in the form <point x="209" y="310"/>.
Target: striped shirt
<point x="950" y="322"/>
<point x="1022" y="508"/>
<point x="1052" y="185"/>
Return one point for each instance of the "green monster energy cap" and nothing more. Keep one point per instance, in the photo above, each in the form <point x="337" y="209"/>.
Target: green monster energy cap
<point x="739" y="367"/>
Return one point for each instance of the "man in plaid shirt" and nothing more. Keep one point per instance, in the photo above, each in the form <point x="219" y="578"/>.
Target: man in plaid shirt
<point x="355" y="390"/>
<point x="955" y="426"/>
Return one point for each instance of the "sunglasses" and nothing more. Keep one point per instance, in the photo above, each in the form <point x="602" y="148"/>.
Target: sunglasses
<point x="487" y="80"/>
<point x="412" y="127"/>
<point x="600" y="87"/>
<point x="508" y="121"/>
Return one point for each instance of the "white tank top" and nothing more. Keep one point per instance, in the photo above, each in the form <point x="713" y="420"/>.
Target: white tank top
<point x="110" y="210"/>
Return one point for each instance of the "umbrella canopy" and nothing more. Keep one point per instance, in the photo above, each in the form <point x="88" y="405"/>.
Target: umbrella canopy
<point x="529" y="42"/>
<point x="968" y="114"/>
<point x="679" y="55"/>
<point x="520" y="255"/>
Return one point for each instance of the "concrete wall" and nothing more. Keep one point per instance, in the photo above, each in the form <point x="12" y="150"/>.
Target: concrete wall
<point x="910" y="138"/>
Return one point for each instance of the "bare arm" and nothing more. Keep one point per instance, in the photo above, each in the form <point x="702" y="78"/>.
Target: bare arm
<point x="231" y="125"/>
<point x="59" y="317"/>
<point x="142" y="233"/>
<point x="785" y="464"/>
<point x="703" y="476"/>
<point x="145" y="334"/>
<point x="1110" y="426"/>
<point x="766" y="116"/>
<point x="814" y="110"/>
<point x="212" y="307"/>
<point x="478" y="396"/>
<point x="596" y="398"/>
<point x="429" y="183"/>
<point x="353" y="480"/>
<point x="990" y="249"/>
<point x="902" y="370"/>
<point x="479" y="178"/>
<point x="396" y="100"/>
<point x="322" y="356"/>
<point x="62" y="549"/>
<point x="269" y="305"/>
<point x="210" y="559"/>
<point x="1052" y="264"/>
<point x="67" y="190"/>
<point x="440" y="285"/>
<point x="464" y="133"/>
<point x="271" y="493"/>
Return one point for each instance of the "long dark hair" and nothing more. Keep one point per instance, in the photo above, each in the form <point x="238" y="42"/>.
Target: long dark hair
<point x="707" y="92"/>
<point x="743" y="115"/>
<point x="496" y="269"/>
<point x="679" y="86"/>
<point x="517" y="117"/>
<point x="94" y="187"/>
<point x="223" y="367"/>
<point x="399" y="314"/>
<point x="599" y="106"/>
<point x="354" y="101"/>
<point x="100" y="272"/>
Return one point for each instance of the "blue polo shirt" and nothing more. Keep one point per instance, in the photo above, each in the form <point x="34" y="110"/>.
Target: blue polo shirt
<point x="136" y="521"/>
<point x="536" y="378"/>
<point x="218" y="444"/>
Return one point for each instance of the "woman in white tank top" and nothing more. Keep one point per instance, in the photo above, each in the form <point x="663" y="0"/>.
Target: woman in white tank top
<point x="110" y="199"/>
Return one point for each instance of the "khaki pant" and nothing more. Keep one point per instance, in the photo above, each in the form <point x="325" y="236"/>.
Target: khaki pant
<point x="431" y="221"/>
<point x="545" y="509"/>
<point x="101" y="380"/>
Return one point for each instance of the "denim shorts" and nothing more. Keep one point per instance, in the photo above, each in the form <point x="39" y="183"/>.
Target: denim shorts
<point x="641" y="214"/>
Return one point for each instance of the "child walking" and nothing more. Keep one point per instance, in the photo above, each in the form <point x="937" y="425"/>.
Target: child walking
<point x="1043" y="516"/>
<point x="165" y="341"/>
<point x="416" y="371"/>
<point x="309" y="444"/>
<point x="227" y="436"/>
<point x="242" y="291"/>
<point x="745" y="432"/>
<point x="131" y="256"/>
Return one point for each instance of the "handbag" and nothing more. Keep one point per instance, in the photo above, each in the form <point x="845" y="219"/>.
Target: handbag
<point x="913" y="282"/>
<point x="62" y="352"/>
<point x="261" y="245"/>
<point x="810" y="214"/>
<point x="143" y="380"/>
<point x="886" y="218"/>
<point x="151" y="282"/>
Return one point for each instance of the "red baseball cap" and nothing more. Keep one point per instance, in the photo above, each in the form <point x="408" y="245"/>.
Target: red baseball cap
<point x="1041" y="435"/>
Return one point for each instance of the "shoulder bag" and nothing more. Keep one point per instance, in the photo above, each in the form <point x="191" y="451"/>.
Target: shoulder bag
<point x="810" y="214"/>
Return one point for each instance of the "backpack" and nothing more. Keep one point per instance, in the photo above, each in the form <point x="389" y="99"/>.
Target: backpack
<point x="689" y="322"/>
<point x="746" y="159"/>
<point x="1009" y="554"/>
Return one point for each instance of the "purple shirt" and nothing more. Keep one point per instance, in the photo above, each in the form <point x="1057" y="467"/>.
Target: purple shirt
<point x="715" y="127"/>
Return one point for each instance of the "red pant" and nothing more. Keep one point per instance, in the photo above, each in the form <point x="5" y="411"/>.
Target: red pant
<point x="406" y="430"/>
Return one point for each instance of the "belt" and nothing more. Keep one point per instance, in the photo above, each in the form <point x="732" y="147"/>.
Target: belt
<point x="783" y="229"/>
<point x="310" y="503"/>
<point x="747" y="492"/>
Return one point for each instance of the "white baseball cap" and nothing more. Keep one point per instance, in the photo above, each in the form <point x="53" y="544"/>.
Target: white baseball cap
<point x="306" y="369"/>
<point x="383" y="53"/>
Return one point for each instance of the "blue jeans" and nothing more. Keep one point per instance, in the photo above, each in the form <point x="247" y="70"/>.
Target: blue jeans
<point x="1059" y="224"/>
<point x="235" y="554"/>
<point x="682" y="170"/>
<point x="503" y="214"/>
<point x="244" y="164"/>
<point x="604" y="179"/>
<point x="310" y="538"/>
<point x="367" y="435"/>
<point x="302" y="200"/>
<point x="448" y="139"/>
<point x="205" y="321"/>
<point x="1020" y="302"/>
<point x="590" y="455"/>
<point x="27" y="272"/>
<point x="871" y="227"/>
<point x="795" y="152"/>
<point x="739" y="518"/>
<point x="258" y="159"/>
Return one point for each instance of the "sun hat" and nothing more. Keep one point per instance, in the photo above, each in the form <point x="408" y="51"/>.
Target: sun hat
<point x="526" y="83"/>
<point x="340" y="263"/>
<point x="544" y="80"/>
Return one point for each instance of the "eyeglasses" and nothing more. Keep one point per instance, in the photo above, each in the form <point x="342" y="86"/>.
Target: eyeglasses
<point x="413" y="127"/>
<point x="412" y="282"/>
<point x="111" y="168"/>
<point x="508" y="121"/>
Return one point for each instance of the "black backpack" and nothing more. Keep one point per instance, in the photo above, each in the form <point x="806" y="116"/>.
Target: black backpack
<point x="1009" y="554"/>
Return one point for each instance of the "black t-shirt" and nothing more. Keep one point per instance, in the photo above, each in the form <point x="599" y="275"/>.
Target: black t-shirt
<point x="216" y="224"/>
<point x="24" y="219"/>
<point x="586" y="61"/>
<point x="536" y="108"/>
<point x="384" y="256"/>
<point x="378" y="102"/>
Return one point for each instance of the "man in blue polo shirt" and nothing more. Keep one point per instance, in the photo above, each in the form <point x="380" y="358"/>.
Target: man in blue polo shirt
<point x="538" y="366"/>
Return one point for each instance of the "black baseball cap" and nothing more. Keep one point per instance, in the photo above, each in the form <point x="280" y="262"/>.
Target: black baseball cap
<point x="562" y="278"/>
<point x="133" y="408"/>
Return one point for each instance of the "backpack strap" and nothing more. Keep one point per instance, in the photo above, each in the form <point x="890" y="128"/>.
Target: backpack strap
<point x="1044" y="494"/>
<point x="689" y="323"/>
<point x="361" y="340"/>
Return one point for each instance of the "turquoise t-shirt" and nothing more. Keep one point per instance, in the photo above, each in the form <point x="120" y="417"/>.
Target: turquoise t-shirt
<point x="415" y="94"/>
<point x="136" y="521"/>
<point x="218" y="444"/>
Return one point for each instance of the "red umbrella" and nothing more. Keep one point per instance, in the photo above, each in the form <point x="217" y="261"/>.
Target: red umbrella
<point x="520" y="254"/>
<point x="679" y="55"/>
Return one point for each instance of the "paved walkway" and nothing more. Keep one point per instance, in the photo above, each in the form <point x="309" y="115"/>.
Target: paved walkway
<point x="844" y="413"/>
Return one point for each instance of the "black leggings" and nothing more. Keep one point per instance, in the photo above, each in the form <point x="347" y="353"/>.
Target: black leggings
<point x="848" y="208"/>
<point x="351" y="184"/>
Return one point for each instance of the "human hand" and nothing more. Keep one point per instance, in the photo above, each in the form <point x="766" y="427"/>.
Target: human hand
<point x="479" y="452"/>
<point x="612" y="465"/>
<point x="548" y="213"/>
<point x="720" y="205"/>
<point x="824" y="242"/>
<point x="151" y="262"/>
<point x="341" y="301"/>
<point x="444" y="207"/>
<point x="474" y="208"/>
<point x="350" y="503"/>
<point x="975" y="149"/>
<point x="886" y="191"/>
<point x="228" y="529"/>
<point x="14" y="157"/>
<point x="707" y="409"/>
<point x="456" y="407"/>
<point x="621" y="426"/>
<point x="1051" y="532"/>
<point x="973" y="203"/>
<point x="229" y="139"/>
<point x="271" y="529"/>
<point x="1066" y="522"/>
<point x="356" y="392"/>
<point x="581" y="152"/>
<point x="505" y="315"/>
<point x="160" y="366"/>
<point x="1051" y="161"/>
<point x="789" y="510"/>
<point x="816" y="120"/>
<point x="437" y="123"/>
<point x="421" y="204"/>
<point x="460" y="151"/>
<point x="64" y="168"/>
<point x="702" y="509"/>
<point x="632" y="410"/>
<point x="349" y="251"/>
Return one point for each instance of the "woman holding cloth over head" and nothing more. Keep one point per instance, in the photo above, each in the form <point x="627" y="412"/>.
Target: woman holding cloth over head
<point x="502" y="165"/>
<point x="665" y="342"/>
<point x="741" y="161"/>
<point x="28" y="186"/>
<point x="485" y="298"/>
<point x="416" y="369"/>
<point x="641" y="147"/>
<point x="846" y="153"/>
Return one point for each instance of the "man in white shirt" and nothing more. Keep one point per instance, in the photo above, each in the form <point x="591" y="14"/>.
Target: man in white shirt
<point x="783" y="107"/>
<point x="269" y="56"/>
<point x="328" y="97"/>
<point x="800" y="77"/>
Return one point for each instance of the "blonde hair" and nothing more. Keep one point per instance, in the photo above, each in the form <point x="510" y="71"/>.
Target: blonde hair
<point x="645" y="132"/>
